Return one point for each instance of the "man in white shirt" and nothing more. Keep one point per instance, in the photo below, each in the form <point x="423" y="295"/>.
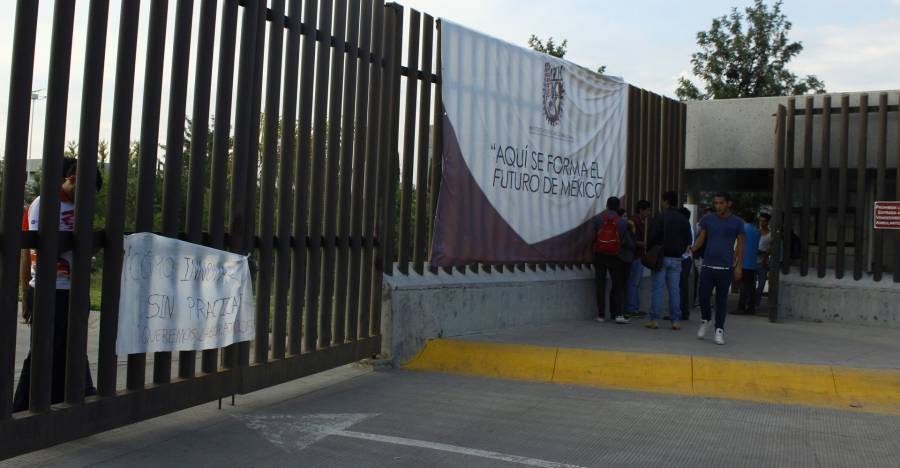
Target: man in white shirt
<point x="63" y="284"/>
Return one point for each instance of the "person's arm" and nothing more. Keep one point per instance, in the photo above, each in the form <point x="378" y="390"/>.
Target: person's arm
<point x="655" y="230"/>
<point x="739" y="257"/>
<point x="698" y="244"/>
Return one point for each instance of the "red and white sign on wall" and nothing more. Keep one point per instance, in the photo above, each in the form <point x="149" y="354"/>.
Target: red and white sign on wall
<point x="887" y="215"/>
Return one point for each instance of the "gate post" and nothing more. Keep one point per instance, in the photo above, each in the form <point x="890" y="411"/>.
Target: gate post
<point x="776" y="229"/>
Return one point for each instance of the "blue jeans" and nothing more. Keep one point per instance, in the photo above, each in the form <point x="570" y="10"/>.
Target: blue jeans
<point x="635" y="273"/>
<point x="720" y="280"/>
<point x="670" y="274"/>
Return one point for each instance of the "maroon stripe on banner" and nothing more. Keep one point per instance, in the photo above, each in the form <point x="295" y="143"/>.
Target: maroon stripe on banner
<point x="462" y="205"/>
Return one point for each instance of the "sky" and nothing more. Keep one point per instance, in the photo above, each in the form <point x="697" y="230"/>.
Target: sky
<point x="850" y="45"/>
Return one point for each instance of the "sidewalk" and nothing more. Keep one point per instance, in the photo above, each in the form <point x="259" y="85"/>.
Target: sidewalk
<point x="817" y="364"/>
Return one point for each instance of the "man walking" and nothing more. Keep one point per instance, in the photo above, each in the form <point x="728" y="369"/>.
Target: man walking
<point x="764" y="255"/>
<point x="609" y="232"/>
<point x="671" y="230"/>
<point x="747" y="304"/>
<point x="63" y="284"/>
<point x="636" y="272"/>
<point x="723" y="235"/>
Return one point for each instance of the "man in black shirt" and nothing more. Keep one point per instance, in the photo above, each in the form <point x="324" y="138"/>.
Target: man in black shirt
<point x="671" y="230"/>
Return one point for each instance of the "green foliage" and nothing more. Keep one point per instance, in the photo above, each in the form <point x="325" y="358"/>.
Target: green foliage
<point x="552" y="48"/>
<point x="548" y="47"/>
<point x="746" y="55"/>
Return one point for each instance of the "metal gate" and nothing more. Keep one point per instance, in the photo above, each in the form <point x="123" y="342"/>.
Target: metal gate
<point x="305" y="173"/>
<point x="297" y="175"/>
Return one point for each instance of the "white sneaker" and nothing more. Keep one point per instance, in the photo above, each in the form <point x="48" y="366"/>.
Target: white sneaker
<point x="620" y="319"/>
<point x="600" y="319"/>
<point x="720" y="336"/>
<point x="701" y="333"/>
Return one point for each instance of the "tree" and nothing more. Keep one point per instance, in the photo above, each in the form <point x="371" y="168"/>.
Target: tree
<point x="549" y="47"/>
<point x="552" y="48"/>
<point x="746" y="55"/>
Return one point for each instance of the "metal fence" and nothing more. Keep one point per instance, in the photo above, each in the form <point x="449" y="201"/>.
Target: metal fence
<point x="826" y="200"/>
<point x="308" y="175"/>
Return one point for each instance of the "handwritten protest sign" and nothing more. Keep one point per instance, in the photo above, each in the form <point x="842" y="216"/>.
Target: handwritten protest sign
<point x="178" y="296"/>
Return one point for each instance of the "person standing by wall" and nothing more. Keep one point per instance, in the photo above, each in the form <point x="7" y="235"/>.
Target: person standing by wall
<point x="764" y="255"/>
<point x="747" y="304"/>
<point x="671" y="230"/>
<point x="609" y="231"/>
<point x="723" y="235"/>
<point x="687" y="266"/>
<point x="636" y="272"/>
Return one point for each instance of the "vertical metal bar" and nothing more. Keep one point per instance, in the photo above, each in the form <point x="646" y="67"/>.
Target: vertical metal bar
<point x="332" y="165"/>
<point x="253" y="166"/>
<point x="388" y="164"/>
<point x="117" y="186"/>
<point x="896" y="197"/>
<point x="359" y="169"/>
<point x="437" y="145"/>
<point x="664" y="146"/>
<point x="843" y="148"/>
<point x="373" y="132"/>
<point x="172" y="196"/>
<point x="341" y="318"/>
<point x="861" y="167"/>
<point x="267" y="191"/>
<point x="14" y="166"/>
<point x="420" y="239"/>
<point x="238" y="216"/>
<point x="301" y="189"/>
<point x="776" y="228"/>
<point x="312" y="323"/>
<point x="85" y="193"/>
<point x="198" y="150"/>
<point x="409" y="141"/>
<point x="788" y="198"/>
<point x="147" y="156"/>
<point x="48" y="248"/>
<point x="682" y="136"/>
<point x="645" y="147"/>
<point x="824" y="189"/>
<point x="880" y="185"/>
<point x="221" y="148"/>
<point x="285" y="179"/>
<point x="806" y="209"/>
<point x="629" y="154"/>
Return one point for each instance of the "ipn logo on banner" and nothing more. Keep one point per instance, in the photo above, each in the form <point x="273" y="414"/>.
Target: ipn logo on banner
<point x="554" y="92"/>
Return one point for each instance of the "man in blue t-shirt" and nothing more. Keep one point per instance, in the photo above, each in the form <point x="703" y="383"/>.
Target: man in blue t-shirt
<point x="747" y="304"/>
<point x="723" y="235"/>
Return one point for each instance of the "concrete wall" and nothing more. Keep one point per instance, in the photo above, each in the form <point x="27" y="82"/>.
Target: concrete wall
<point x="416" y="308"/>
<point x="863" y="302"/>
<point x="740" y="133"/>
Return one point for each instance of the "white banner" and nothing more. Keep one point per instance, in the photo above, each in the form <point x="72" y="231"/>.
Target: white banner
<point x="543" y="139"/>
<point x="178" y="296"/>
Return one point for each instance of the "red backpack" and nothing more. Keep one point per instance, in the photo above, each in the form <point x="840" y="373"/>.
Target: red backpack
<point x="608" y="241"/>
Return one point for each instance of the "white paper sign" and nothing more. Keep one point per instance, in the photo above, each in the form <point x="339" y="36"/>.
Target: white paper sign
<point x="178" y="296"/>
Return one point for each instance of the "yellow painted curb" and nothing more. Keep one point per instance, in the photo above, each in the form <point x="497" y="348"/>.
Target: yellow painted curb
<point x="869" y="390"/>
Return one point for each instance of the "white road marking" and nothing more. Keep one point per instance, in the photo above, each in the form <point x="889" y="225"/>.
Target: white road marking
<point x="454" y="449"/>
<point x="293" y="433"/>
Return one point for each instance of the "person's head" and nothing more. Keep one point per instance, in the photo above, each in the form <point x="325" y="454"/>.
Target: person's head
<point x="669" y="200"/>
<point x="643" y="209"/>
<point x="749" y="217"/>
<point x="686" y="212"/>
<point x="613" y="203"/>
<point x="722" y="203"/>
<point x="764" y="219"/>
<point x="70" y="171"/>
